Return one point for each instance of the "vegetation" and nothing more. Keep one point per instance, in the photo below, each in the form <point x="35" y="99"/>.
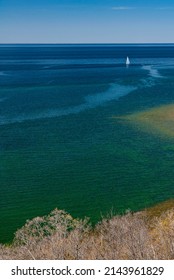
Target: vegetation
<point x="144" y="235"/>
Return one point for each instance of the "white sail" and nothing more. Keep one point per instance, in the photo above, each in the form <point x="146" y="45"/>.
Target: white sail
<point x="127" y="61"/>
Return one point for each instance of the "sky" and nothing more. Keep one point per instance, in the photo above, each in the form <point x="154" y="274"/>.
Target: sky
<point x="86" y="21"/>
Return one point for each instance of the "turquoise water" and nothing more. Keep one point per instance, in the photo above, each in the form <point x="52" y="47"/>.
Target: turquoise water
<point x="60" y="146"/>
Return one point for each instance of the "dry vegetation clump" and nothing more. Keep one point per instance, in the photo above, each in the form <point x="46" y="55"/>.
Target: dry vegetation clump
<point x="59" y="236"/>
<point x="163" y="235"/>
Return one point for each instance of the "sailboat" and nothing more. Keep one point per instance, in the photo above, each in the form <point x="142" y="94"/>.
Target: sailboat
<point x="127" y="61"/>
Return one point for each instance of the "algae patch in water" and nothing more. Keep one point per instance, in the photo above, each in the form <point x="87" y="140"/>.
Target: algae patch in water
<point x="159" y="120"/>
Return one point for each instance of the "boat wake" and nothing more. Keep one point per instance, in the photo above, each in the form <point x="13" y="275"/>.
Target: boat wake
<point x="152" y="72"/>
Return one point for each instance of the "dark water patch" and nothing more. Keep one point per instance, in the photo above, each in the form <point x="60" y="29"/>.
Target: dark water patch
<point x="85" y="51"/>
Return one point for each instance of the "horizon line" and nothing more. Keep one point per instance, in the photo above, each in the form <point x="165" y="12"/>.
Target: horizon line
<point x="150" y="43"/>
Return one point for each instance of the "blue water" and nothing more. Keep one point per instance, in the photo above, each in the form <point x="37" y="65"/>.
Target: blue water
<point x="60" y="146"/>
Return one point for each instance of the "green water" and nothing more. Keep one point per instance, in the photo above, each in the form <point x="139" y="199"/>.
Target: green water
<point x="83" y="168"/>
<point x="60" y="146"/>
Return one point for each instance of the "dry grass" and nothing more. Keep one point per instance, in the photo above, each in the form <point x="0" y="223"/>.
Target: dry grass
<point x="59" y="236"/>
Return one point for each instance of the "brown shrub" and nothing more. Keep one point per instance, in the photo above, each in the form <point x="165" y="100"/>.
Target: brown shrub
<point x="59" y="236"/>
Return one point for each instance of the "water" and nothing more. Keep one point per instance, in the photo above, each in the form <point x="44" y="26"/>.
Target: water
<point x="60" y="146"/>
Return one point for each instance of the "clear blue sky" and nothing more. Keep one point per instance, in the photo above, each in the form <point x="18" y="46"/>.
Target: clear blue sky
<point x="86" y="21"/>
